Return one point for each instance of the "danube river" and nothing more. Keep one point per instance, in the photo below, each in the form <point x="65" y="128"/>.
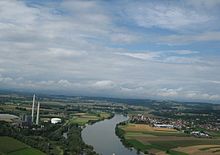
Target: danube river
<point x="101" y="136"/>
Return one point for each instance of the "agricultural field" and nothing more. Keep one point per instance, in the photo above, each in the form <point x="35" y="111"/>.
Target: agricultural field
<point x="84" y="118"/>
<point x="168" y="141"/>
<point x="11" y="146"/>
<point x="200" y="149"/>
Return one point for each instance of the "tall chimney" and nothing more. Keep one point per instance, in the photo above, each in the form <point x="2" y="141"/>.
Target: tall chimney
<point x="32" y="114"/>
<point x="38" y="111"/>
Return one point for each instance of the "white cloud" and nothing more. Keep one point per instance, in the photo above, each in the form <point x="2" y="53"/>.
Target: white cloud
<point x="104" y="84"/>
<point x="176" y="56"/>
<point x="60" y="52"/>
<point x="165" y="15"/>
<point x="184" y="52"/>
<point x="124" y="38"/>
<point x="189" y="38"/>
<point x="165" y="92"/>
<point x="187" y="94"/>
<point x="142" y="56"/>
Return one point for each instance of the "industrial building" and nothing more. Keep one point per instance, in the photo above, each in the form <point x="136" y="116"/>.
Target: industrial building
<point x="55" y="120"/>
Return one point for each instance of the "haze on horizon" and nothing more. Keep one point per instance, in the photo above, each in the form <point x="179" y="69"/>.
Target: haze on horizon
<point x="135" y="49"/>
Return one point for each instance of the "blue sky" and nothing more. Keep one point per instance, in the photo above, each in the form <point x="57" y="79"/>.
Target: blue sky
<point x="128" y="49"/>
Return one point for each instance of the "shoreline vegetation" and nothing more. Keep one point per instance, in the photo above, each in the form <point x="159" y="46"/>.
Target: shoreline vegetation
<point x="121" y="134"/>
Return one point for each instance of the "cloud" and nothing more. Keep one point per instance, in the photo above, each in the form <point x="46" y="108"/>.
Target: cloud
<point x="104" y="84"/>
<point x="169" y="92"/>
<point x="89" y="48"/>
<point x="184" y="52"/>
<point x="191" y="95"/>
<point x="124" y="38"/>
<point x="204" y="3"/>
<point x="165" y="15"/>
<point x="64" y="83"/>
<point x="142" y="56"/>
<point x="183" y="39"/>
<point x="173" y="56"/>
<point x="202" y="96"/>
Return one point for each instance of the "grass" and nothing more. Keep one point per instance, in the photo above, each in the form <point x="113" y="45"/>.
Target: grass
<point x="8" y="144"/>
<point x="104" y="115"/>
<point x="80" y="121"/>
<point x="214" y="134"/>
<point x="183" y="143"/>
<point x="136" y="134"/>
<point x="12" y="146"/>
<point x="139" y="145"/>
<point x="172" y="152"/>
<point x="27" y="151"/>
<point x="83" y="118"/>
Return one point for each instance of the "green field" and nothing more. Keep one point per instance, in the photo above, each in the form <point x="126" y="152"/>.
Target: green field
<point x="84" y="118"/>
<point x="12" y="146"/>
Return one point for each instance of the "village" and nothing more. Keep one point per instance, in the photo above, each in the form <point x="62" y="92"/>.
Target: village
<point x="200" y="130"/>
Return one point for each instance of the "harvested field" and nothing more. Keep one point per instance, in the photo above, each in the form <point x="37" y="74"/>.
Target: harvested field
<point x="200" y="150"/>
<point x="166" y="138"/>
<point x="143" y="127"/>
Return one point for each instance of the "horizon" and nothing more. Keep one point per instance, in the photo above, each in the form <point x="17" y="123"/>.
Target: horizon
<point x="160" y="50"/>
<point x="51" y="94"/>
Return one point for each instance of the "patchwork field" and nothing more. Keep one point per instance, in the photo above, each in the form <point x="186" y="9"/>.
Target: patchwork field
<point x="11" y="146"/>
<point x="168" y="141"/>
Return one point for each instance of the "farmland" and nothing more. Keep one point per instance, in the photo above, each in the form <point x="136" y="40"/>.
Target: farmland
<point x="18" y="148"/>
<point x="167" y="141"/>
<point x="84" y="118"/>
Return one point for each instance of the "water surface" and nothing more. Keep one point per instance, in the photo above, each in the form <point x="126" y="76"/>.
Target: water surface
<point x="101" y="136"/>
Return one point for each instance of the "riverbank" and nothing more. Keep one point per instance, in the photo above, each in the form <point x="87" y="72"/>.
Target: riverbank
<point x="121" y="134"/>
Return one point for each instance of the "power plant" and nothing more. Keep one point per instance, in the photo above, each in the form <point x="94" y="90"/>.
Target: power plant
<point x="32" y="114"/>
<point x="38" y="111"/>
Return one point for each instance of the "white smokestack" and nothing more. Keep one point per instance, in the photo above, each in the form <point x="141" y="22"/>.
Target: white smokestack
<point x="32" y="114"/>
<point x="38" y="111"/>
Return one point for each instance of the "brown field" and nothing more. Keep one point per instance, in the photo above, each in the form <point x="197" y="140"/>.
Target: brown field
<point x="165" y="138"/>
<point x="196" y="150"/>
<point x="79" y="114"/>
<point x="161" y="153"/>
<point x="144" y="127"/>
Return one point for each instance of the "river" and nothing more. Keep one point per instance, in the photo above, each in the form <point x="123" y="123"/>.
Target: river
<point x="101" y="136"/>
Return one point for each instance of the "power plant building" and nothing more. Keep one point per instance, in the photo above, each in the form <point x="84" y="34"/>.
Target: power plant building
<point x="55" y="120"/>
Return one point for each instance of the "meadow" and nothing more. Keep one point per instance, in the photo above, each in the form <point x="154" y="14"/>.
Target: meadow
<point x="84" y="118"/>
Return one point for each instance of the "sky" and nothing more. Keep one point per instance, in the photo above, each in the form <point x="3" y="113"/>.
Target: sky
<point x="129" y="49"/>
